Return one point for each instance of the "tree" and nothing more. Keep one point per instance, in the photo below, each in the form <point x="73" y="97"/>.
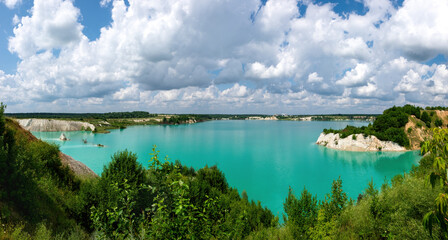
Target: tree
<point x="425" y="118"/>
<point x="437" y="148"/>
<point x="301" y="213"/>
<point x="438" y="122"/>
<point x="336" y="201"/>
<point x="121" y="196"/>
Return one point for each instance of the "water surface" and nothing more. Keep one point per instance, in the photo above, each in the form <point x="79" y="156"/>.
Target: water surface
<point x="262" y="157"/>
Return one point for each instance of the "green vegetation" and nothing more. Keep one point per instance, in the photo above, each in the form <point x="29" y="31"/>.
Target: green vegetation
<point x="388" y="126"/>
<point x="80" y="116"/>
<point x="436" y="108"/>
<point x="329" y="117"/>
<point x="36" y="191"/>
<point x="437" y="148"/>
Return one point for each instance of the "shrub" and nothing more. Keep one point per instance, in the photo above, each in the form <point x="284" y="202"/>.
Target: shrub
<point x="426" y="119"/>
<point x="438" y="122"/>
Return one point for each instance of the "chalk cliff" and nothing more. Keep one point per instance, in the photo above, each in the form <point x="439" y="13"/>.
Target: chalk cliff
<point x="358" y="143"/>
<point x="50" y="125"/>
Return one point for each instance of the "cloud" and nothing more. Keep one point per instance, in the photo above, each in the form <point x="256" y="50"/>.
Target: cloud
<point x="418" y="29"/>
<point x="11" y="3"/>
<point x="53" y="25"/>
<point x="182" y="55"/>
<point x="130" y="93"/>
<point x="355" y="77"/>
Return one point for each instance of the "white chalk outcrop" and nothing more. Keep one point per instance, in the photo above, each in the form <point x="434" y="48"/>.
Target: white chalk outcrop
<point x="50" y="125"/>
<point x="63" y="137"/>
<point x="358" y="143"/>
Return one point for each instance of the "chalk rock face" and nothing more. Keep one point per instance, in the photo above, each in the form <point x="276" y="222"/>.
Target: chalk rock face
<point x="49" y="125"/>
<point x="358" y="143"/>
<point x="63" y="137"/>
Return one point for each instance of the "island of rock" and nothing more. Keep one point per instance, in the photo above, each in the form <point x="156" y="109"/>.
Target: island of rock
<point x="357" y="142"/>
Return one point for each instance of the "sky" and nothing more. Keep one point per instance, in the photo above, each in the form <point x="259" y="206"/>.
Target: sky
<point x="223" y="56"/>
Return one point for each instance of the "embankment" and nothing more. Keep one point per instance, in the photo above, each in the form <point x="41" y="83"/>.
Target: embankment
<point x="358" y="143"/>
<point x="50" y="125"/>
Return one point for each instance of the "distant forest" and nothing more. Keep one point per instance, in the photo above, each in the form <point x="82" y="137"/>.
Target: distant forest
<point x="135" y="114"/>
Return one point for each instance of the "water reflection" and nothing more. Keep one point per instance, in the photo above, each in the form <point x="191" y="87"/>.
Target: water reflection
<point x="385" y="163"/>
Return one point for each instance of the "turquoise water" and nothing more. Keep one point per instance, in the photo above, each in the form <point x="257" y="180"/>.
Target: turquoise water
<point x="262" y="157"/>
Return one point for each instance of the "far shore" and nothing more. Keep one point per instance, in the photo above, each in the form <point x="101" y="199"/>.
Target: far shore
<point x="97" y="125"/>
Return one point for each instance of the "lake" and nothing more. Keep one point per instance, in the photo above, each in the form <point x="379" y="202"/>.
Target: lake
<point x="262" y="157"/>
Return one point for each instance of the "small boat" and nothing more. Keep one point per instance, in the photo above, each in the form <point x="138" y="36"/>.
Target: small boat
<point x="84" y="140"/>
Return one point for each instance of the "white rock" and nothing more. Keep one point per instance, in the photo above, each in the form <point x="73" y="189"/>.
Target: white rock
<point x="50" y="125"/>
<point x="63" y="137"/>
<point x="360" y="143"/>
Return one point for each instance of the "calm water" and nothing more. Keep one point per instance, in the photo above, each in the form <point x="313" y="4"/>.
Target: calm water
<point x="262" y="157"/>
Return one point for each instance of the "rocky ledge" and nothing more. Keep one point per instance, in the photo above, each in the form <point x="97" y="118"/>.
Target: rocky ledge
<point x="357" y="142"/>
<point x="49" y="125"/>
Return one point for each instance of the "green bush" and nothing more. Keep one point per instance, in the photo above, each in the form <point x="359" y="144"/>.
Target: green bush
<point x="426" y="119"/>
<point x="301" y="214"/>
<point x="438" y="122"/>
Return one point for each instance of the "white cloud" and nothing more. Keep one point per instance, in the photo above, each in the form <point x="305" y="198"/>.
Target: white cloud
<point x="418" y="29"/>
<point x="355" y="77"/>
<point x="130" y="93"/>
<point x="53" y="24"/>
<point x="314" y="78"/>
<point x="437" y="84"/>
<point x="11" y="3"/>
<point x="15" y="20"/>
<point x="409" y="82"/>
<point x="104" y="3"/>
<point x="368" y="91"/>
<point x="236" y="91"/>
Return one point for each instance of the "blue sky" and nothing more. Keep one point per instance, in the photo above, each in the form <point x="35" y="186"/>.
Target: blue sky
<point x="202" y="56"/>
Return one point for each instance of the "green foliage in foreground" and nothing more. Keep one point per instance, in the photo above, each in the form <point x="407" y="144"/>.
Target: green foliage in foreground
<point x="437" y="149"/>
<point x="387" y="127"/>
<point x="36" y="191"/>
<point x="169" y="201"/>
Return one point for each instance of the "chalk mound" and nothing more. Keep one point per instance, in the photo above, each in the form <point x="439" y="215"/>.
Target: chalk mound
<point x="358" y="143"/>
<point x="50" y="125"/>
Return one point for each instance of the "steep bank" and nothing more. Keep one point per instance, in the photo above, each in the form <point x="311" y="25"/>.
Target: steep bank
<point x="50" y="125"/>
<point x="357" y="142"/>
<point x="79" y="168"/>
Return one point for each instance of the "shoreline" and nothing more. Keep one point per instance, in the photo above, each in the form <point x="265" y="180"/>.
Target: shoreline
<point x="57" y="125"/>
